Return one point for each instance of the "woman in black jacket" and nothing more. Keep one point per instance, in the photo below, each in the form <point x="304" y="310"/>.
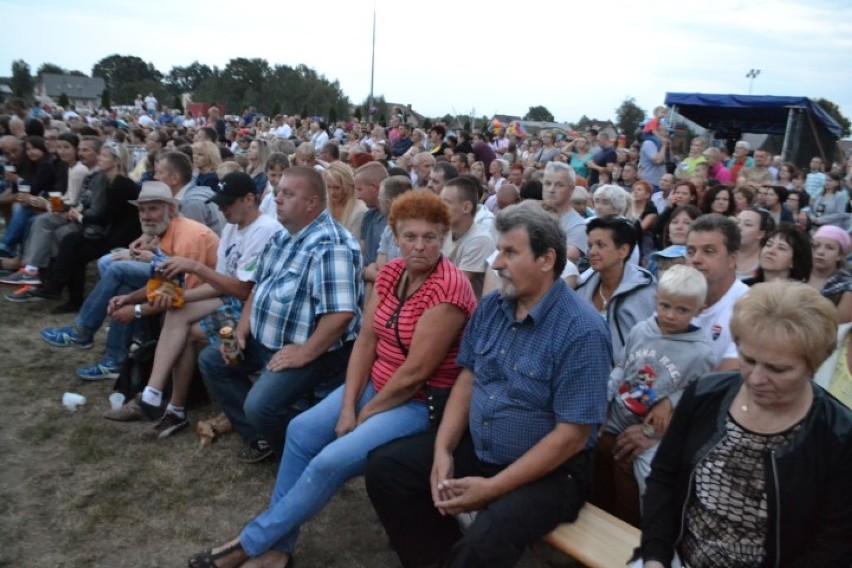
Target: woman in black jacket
<point x="755" y="467"/>
<point x="107" y="220"/>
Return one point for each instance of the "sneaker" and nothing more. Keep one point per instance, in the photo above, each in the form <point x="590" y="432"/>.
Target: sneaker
<point x="63" y="308"/>
<point x="22" y="276"/>
<point x="101" y="371"/>
<point x="256" y="452"/>
<point x="66" y="337"/>
<point x="47" y="293"/>
<point x="165" y="426"/>
<point x="135" y="410"/>
<point x="23" y="294"/>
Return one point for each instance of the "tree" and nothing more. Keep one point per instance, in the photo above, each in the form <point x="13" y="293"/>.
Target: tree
<point x="119" y="72"/>
<point x="22" y="81"/>
<point x="187" y="79"/>
<point x="629" y="116"/>
<point x="64" y="102"/>
<point x="50" y="69"/>
<point x="835" y="113"/>
<point x="539" y="113"/>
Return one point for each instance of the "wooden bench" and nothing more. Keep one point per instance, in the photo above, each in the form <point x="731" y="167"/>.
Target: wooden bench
<point x="596" y="539"/>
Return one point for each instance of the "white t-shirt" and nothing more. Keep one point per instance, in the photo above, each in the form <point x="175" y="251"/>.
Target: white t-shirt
<point x="486" y="218"/>
<point x="145" y="121"/>
<point x="470" y="253"/>
<point x="267" y="204"/>
<point x="239" y="248"/>
<point x="715" y="322"/>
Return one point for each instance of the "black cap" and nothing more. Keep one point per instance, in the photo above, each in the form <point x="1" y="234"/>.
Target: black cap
<point x="232" y="187"/>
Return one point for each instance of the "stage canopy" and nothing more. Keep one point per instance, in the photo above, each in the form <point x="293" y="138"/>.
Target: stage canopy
<point x="807" y="128"/>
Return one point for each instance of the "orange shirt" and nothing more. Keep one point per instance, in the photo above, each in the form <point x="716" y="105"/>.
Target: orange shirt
<point x="190" y="239"/>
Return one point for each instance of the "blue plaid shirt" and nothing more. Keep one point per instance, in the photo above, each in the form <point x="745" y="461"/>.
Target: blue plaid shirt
<point x="551" y="366"/>
<point x="302" y="276"/>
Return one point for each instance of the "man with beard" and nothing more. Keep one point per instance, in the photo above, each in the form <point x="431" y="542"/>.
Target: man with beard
<point x="515" y="441"/>
<point x="120" y="293"/>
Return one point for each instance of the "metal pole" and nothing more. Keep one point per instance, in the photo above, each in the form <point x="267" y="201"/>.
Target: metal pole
<point x="788" y="132"/>
<point x="372" y="66"/>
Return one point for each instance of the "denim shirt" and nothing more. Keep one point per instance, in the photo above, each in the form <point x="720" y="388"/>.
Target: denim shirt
<point x="551" y="366"/>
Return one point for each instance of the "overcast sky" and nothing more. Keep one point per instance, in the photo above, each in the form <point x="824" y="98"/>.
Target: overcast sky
<point x="465" y="56"/>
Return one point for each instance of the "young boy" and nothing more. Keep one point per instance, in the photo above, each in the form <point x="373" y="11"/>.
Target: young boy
<point x="276" y="163"/>
<point x="663" y="354"/>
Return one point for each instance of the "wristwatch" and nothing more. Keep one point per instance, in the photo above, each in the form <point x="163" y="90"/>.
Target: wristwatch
<point x="137" y="311"/>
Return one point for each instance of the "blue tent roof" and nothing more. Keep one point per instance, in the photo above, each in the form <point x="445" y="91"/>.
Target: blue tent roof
<point x="748" y="113"/>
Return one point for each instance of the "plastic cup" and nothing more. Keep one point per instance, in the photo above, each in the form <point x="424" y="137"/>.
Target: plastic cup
<point x="72" y="401"/>
<point x="10" y="169"/>
<point x="23" y="188"/>
<point x="116" y="399"/>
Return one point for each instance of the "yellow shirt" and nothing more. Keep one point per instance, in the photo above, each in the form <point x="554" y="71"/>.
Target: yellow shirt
<point x="841" y="381"/>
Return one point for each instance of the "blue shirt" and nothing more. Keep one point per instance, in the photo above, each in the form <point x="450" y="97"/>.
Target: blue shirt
<point x="372" y="225"/>
<point x="551" y="366"/>
<point x="303" y="276"/>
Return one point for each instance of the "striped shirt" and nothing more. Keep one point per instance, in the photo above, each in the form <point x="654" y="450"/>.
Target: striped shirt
<point x="302" y="276"/>
<point x="446" y="285"/>
<point x="550" y="367"/>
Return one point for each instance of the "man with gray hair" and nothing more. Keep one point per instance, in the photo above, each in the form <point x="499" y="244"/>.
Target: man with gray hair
<point x="739" y="160"/>
<point x="423" y="164"/>
<point x="557" y="188"/>
<point x="514" y="445"/>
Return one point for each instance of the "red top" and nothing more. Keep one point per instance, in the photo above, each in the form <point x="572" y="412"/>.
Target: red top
<point x="446" y="285"/>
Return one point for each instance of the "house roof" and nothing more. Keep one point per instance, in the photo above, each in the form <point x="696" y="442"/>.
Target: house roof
<point x="74" y="87"/>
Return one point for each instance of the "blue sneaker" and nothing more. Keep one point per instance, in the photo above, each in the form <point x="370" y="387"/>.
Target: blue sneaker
<point x="66" y="337"/>
<point x="104" y="370"/>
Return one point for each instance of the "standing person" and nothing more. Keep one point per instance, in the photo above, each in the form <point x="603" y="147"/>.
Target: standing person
<point x="415" y="317"/>
<point x="299" y="323"/>
<point x="754" y="223"/>
<point x="653" y="155"/>
<point x="754" y="469"/>
<point x="520" y="422"/>
<point x="604" y="159"/>
<point x="829" y="206"/>
<point x="815" y="179"/>
<point x="830" y="274"/>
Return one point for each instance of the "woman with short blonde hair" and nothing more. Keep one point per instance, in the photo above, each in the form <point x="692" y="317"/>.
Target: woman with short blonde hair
<point x="343" y="205"/>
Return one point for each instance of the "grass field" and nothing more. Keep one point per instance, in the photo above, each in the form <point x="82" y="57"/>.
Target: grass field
<point x="77" y="490"/>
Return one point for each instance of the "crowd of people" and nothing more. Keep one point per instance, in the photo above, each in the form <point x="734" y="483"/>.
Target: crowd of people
<point x="491" y="323"/>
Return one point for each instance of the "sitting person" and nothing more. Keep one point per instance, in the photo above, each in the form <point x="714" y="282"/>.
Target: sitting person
<point x="620" y="291"/>
<point x="275" y="166"/>
<point x="388" y="250"/>
<point x="784" y="255"/>
<point x="106" y="219"/>
<point x="663" y="355"/>
<point x="175" y="236"/>
<point x="754" y="469"/>
<point x="299" y="323"/>
<point x="830" y="274"/>
<point x="416" y="314"/>
<point x="219" y="299"/>
<point x="516" y="437"/>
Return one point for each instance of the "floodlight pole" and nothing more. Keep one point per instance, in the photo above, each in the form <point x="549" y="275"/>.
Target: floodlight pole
<point x="372" y="64"/>
<point x="751" y="76"/>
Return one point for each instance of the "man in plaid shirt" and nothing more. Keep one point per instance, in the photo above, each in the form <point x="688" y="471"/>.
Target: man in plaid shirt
<point x="298" y="326"/>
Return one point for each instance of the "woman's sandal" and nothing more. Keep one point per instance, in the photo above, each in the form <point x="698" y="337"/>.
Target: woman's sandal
<point x="207" y="558"/>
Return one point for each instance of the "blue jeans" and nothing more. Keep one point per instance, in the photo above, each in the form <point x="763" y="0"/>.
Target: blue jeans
<point x="121" y="278"/>
<point x="17" y="228"/>
<point x="263" y="409"/>
<point x="316" y="464"/>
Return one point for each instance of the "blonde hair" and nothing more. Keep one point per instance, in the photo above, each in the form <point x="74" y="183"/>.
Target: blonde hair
<point x="210" y="151"/>
<point x="341" y="174"/>
<point x="228" y="167"/>
<point x="793" y="314"/>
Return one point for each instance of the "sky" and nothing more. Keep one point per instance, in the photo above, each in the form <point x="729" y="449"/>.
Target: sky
<point x="470" y="56"/>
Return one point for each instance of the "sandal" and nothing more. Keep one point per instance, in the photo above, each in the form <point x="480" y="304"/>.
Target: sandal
<point x="207" y="558"/>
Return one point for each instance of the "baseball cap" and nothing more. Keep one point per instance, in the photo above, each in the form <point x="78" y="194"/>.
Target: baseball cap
<point x="674" y="251"/>
<point x="232" y="187"/>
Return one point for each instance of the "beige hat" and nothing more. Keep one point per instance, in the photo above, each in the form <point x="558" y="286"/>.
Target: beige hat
<point x="155" y="191"/>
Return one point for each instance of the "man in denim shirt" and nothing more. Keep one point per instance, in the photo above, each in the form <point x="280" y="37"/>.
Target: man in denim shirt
<point x="514" y="443"/>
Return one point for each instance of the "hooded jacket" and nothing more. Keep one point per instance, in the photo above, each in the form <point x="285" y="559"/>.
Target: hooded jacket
<point x="655" y="366"/>
<point x="633" y="301"/>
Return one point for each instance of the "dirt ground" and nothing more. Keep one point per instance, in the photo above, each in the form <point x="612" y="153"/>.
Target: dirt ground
<point x="77" y="490"/>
